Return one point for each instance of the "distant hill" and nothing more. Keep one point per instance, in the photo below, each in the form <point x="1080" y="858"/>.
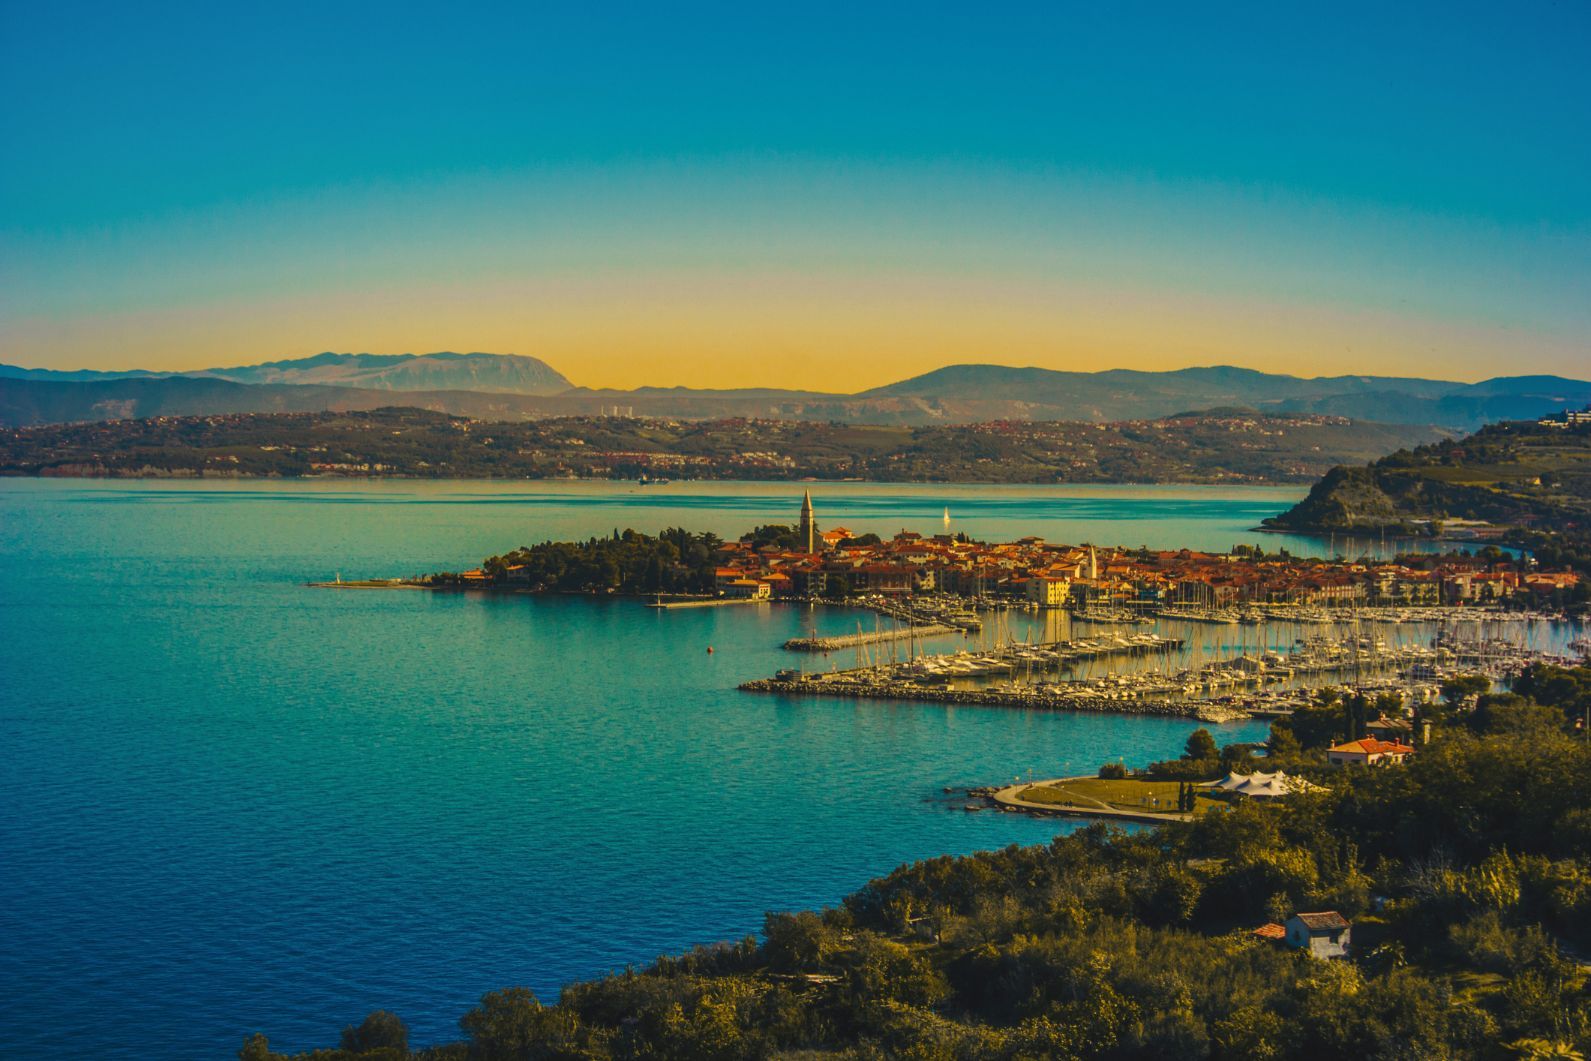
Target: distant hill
<point x="1124" y="393"/>
<point x="1234" y="446"/>
<point x="495" y="386"/>
<point x="25" y="402"/>
<point x="1530" y="482"/>
<point x="489" y="373"/>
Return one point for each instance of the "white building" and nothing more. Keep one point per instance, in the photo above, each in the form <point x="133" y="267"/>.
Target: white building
<point x="1324" y="934"/>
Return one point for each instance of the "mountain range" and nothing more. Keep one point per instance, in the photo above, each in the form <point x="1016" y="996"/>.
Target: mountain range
<point x="490" y="373"/>
<point x="513" y="387"/>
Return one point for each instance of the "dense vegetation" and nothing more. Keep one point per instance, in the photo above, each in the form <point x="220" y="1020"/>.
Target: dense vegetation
<point x="1467" y="874"/>
<point x="1528" y="477"/>
<point x="676" y="561"/>
<point x="1229" y="446"/>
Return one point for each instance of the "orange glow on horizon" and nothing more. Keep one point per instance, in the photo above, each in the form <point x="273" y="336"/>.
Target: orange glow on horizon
<point x="841" y="334"/>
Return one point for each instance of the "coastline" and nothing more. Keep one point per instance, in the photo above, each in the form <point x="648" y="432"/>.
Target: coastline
<point x="1372" y="533"/>
<point x="212" y="475"/>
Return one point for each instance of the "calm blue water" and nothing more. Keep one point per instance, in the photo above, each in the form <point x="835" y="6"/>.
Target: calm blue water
<point x="232" y="803"/>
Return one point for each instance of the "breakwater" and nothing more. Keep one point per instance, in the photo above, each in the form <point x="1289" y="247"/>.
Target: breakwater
<point x="1030" y="699"/>
<point x="706" y="602"/>
<point x="831" y="644"/>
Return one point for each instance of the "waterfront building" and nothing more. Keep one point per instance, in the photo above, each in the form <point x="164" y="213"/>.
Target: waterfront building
<point x="835" y="562"/>
<point x="1049" y="591"/>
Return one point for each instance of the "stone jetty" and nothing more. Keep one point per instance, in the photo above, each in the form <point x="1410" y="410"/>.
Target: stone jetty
<point x="842" y="641"/>
<point x="1031" y="699"/>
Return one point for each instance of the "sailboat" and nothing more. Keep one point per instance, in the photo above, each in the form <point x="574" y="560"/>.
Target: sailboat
<point x="947" y="517"/>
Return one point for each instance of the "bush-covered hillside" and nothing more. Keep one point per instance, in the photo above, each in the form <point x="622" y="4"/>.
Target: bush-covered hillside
<point x="1467" y="874"/>
<point x="1532" y="479"/>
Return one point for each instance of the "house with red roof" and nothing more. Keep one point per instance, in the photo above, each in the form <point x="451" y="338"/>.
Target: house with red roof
<point x="1368" y="751"/>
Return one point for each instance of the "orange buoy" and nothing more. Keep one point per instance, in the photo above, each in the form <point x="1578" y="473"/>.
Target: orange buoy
<point x="709" y="650"/>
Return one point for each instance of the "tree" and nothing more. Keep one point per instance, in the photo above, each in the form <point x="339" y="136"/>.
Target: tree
<point x="1283" y="745"/>
<point x="1457" y="690"/>
<point x="1356" y="707"/>
<point x="798" y="942"/>
<point x="257" y="1048"/>
<point x="1237" y="757"/>
<point x="511" y="1025"/>
<point x="1200" y="746"/>
<point x="380" y="1031"/>
<point x="1186" y="795"/>
<point x="1318" y="725"/>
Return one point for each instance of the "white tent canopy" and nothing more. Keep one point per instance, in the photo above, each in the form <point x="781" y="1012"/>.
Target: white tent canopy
<point x="1263" y="786"/>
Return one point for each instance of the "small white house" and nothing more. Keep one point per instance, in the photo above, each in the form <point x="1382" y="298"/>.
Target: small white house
<point x="1324" y="934"/>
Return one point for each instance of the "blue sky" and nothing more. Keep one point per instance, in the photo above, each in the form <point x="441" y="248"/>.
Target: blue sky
<point x="698" y="193"/>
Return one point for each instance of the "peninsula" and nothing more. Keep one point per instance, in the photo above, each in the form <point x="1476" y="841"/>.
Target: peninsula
<point x="927" y="587"/>
<point x="803" y="561"/>
<point x="1523" y="482"/>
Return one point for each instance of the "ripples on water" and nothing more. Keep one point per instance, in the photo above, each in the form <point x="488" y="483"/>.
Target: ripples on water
<point x="236" y="804"/>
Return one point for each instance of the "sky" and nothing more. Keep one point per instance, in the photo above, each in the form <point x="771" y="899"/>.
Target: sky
<point x="820" y="196"/>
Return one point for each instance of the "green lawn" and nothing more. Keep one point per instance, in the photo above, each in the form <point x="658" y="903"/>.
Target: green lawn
<point x="1126" y="794"/>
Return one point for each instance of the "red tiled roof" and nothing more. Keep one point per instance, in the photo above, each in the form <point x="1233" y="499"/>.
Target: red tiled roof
<point x="1373" y="746"/>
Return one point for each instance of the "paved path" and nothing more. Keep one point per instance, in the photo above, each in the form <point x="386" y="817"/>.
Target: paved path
<point x="1010" y="796"/>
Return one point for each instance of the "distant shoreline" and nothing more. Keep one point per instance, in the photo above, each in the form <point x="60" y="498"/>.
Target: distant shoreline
<point x="226" y="476"/>
<point x="1368" y="534"/>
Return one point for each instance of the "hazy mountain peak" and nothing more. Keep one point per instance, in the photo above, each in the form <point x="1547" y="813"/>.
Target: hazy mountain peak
<point x="506" y="386"/>
<point x="444" y="370"/>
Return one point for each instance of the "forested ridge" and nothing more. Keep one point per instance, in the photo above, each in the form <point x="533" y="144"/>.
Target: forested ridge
<point x="1466" y="872"/>
<point x="1213" y="446"/>
<point x="1532" y="479"/>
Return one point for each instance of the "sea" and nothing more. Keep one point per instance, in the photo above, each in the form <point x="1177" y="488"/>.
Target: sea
<point x="231" y="803"/>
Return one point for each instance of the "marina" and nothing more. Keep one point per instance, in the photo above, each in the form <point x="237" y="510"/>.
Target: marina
<point x="1188" y="666"/>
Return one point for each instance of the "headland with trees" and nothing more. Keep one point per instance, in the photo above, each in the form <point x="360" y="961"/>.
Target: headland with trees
<point x="1466" y="874"/>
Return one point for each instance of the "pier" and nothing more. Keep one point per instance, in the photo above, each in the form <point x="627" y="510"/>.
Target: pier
<point x="842" y="641"/>
<point x="706" y="602"/>
<point x="368" y="583"/>
<point x="937" y="609"/>
<point x="1032" y="698"/>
